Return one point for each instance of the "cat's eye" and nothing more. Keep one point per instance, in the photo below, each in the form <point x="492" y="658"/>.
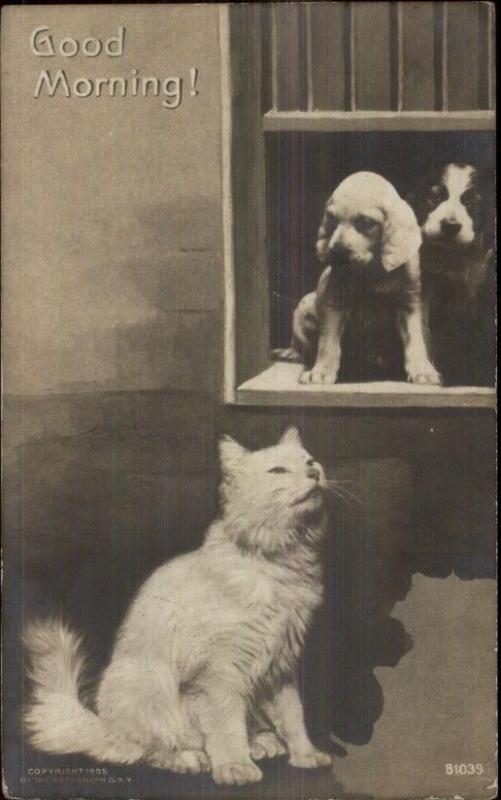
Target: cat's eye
<point x="278" y="470"/>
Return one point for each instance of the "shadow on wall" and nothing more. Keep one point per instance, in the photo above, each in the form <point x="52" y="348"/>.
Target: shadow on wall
<point x="414" y="517"/>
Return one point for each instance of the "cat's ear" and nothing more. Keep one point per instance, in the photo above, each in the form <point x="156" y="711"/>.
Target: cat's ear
<point x="230" y="453"/>
<point x="291" y="436"/>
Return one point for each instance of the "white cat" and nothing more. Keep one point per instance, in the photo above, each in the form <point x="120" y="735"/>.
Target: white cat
<point x="209" y="647"/>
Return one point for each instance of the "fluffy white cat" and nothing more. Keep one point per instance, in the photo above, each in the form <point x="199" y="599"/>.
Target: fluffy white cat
<point x="202" y="675"/>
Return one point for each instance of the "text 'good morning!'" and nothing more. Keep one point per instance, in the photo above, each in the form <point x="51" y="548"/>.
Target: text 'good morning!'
<point x="51" y="83"/>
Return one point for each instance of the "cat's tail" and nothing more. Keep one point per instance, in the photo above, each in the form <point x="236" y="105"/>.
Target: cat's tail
<point x="56" y="720"/>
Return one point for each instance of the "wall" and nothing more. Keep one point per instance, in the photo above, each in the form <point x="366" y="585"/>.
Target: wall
<point x="112" y="317"/>
<point x="112" y="224"/>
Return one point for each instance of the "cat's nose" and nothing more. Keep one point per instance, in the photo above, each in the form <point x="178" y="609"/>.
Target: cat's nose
<point x="313" y="472"/>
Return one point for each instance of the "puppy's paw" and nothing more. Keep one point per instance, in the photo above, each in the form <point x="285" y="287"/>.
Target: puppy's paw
<point x="237" y="773"/>
<point x="286" y="354"/>
<point x="266" y="744"/>
<point x="423" y="373"/>
<point x="310" y="759"/>
<point x="319" y="375"/>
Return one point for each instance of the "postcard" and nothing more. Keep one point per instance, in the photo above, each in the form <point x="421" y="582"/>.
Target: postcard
<point x="249" y="429"/>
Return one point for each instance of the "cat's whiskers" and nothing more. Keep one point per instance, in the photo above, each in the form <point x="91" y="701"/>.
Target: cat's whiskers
<point x="337" y="489"/>
<point x="340" y="483"/>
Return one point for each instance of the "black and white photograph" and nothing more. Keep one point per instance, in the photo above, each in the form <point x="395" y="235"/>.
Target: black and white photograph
<point x="249" y="401"/>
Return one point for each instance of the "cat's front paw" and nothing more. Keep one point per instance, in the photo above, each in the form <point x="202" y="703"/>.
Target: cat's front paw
<point x="184" y="761"/>
<point x="310" y="759"/>
<point x="190" y="761"/>
<point x="266" y="744"/>
<point x="236" y="773"/>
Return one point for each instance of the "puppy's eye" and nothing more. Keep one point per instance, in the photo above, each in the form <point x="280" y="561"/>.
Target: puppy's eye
<point x="278" y="470"/>
<point x="330" y="223"/>
<point x="470" y="197"/>
<point x="365" y="224"/>
<point x="436" y="195"/>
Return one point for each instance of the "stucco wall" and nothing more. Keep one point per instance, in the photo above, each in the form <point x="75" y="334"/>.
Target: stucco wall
<point x="112" y="243"/>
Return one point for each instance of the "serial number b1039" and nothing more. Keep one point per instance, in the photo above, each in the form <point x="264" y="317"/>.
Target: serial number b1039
<point x="464" y="769"/>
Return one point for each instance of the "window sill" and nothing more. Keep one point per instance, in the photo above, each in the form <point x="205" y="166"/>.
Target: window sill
<point x="278" y="385"/>
<point x="337" y="121"/>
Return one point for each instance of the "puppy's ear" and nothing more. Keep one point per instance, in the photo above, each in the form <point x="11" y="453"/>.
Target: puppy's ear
<point x="324" y="234"/>
<point x="485" y="182"/>
<point x="321" y="294"/>
<point x="322" y="245"/>
<point x="411" y="198"/>
<point x="401" y="235"/>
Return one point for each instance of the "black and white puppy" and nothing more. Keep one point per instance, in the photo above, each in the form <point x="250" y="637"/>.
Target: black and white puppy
<point x="454" y="207"/>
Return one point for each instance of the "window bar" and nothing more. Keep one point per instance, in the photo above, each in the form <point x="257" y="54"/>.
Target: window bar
<point x="309" y="61"/>
<point x="274" y="61"/>
<point x="350" y="21"/>
<point x="400" y="57"/>
<point x="445" y="56"/>
<point x="265" y="56"/>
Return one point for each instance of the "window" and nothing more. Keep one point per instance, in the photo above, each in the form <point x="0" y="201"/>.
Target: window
<point x="312" y="92"/>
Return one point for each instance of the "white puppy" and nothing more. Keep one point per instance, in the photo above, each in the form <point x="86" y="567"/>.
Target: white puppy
<point x="370" y="240"/>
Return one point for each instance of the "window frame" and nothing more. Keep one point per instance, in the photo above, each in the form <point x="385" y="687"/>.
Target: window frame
<point x="246" y="300"/>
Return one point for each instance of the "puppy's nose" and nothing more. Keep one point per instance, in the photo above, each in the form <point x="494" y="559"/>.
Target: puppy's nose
<point x="339" y="255"/>
<point x="313" y="472"/>
<point x="450" y="228"/>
